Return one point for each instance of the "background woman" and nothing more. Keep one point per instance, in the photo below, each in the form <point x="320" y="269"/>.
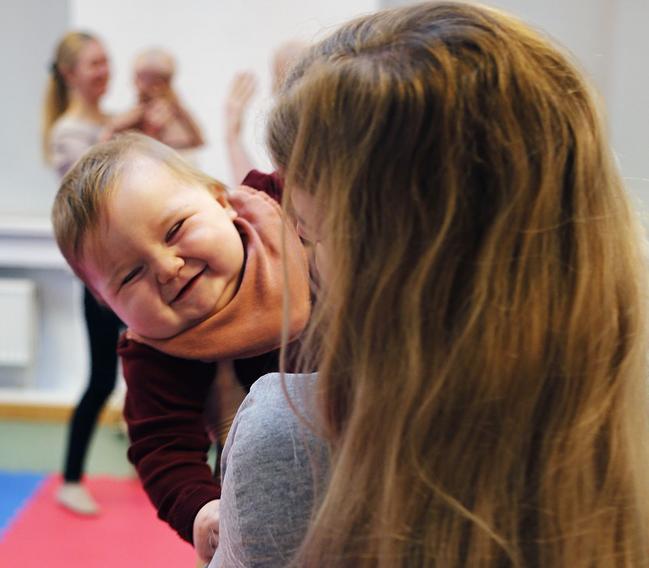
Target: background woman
<point x="72" y="122"/>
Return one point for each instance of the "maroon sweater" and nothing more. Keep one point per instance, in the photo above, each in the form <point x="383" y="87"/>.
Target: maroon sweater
<point x="165" y="403"/>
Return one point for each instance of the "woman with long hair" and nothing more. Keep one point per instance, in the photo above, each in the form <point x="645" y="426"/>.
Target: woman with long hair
<point x="73" y="121"/>
<point x="72" y="116"/>
<point x="480" y="332"/>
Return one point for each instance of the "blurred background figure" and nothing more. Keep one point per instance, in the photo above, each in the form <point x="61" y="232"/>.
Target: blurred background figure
<point x="73" y="121"/>
<point x="242" y="89"/>
<point x="159" y="112"/>
<point x="283" y="58"/>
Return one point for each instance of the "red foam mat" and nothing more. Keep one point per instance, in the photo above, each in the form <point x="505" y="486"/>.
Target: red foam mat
<point x="127" y="533"/>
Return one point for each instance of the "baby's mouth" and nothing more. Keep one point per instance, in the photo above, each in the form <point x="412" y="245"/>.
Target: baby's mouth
<point x="187" y="287"/>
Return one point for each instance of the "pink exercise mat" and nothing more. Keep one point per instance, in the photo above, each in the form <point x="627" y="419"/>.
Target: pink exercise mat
<point x="126" y="534"/>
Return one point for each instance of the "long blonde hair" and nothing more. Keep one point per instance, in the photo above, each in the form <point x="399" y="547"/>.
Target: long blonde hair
<point x="481" y="338"/>
<point x="56" y="100"/>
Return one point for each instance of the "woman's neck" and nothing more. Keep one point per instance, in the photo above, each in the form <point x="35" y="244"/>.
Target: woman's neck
<point x="84" y="109"/>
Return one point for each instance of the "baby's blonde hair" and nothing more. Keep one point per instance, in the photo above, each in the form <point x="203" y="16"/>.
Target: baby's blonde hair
<point x="482" y="336"/>
<point x="85" y="191"/>
<point x="155" y="60"/>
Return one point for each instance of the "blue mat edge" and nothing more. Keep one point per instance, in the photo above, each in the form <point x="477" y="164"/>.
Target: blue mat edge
<point x="16" y="489"/>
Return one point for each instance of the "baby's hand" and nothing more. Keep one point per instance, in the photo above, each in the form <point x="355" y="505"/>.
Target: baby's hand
<point x="206" y="530"/>
<point x="242" y="89"/>
<point x="158" y="114"/>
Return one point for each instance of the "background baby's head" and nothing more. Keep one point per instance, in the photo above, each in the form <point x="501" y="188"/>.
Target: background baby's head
<point x="153" y="72"/>
<point x="98" y="181"/>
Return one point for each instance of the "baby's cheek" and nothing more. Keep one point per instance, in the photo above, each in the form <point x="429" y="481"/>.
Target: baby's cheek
<point x="137" y="312"/>
<point x="127" y="315"/>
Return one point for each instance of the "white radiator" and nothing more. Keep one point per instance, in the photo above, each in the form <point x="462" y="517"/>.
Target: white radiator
<point x="17" y="322"/>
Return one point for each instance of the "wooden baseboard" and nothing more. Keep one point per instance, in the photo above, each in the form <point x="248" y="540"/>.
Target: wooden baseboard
<point x="52" y="413"/>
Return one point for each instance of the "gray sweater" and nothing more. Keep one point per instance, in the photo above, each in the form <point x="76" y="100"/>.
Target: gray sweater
<point x="272" y="466"/>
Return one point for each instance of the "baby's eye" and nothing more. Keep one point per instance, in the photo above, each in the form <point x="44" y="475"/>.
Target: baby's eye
<point x="171" y="232"/>
<point x="132" y="274"/>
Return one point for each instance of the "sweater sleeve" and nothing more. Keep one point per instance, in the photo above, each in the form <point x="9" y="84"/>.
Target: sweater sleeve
<point x="168" y="441"/>
<point x="271" y="184"/>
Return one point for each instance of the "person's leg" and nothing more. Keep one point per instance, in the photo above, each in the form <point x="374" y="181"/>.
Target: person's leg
<point x="103" y="332"/>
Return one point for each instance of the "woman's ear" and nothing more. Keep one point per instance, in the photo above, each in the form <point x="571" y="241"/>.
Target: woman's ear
<point x="68" y="75"/>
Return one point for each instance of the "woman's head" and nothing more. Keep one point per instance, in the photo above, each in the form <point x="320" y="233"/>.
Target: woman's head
<point x="80" y="65"/>
<point x="444" y="96"/>
<point x="483" y="311"/>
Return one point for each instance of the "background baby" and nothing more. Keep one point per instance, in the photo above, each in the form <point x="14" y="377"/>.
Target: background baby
<point x="158" y="112"/>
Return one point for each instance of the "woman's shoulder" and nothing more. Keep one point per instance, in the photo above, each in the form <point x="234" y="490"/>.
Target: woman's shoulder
<point x="277" y="405"/>
<point x="273" y="462"/>
<point x="276" y="386"/>
<point x="275" y="423"/>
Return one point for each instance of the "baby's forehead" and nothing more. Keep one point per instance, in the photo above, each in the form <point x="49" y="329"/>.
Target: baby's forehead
<point x="148" y="183"/>
<point x="143" y="169"/>
<point x="152" y="73"/>
<point x="155" y="64"/>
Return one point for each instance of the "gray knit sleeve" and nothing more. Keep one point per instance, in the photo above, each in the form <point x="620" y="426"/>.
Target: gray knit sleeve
<point x="272" y="467"/>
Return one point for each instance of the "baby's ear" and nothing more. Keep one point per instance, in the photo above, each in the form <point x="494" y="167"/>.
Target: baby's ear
<point x="221" y="194"/>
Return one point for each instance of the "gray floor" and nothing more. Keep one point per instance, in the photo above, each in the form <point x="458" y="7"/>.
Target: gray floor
<point x="39" y="446"/>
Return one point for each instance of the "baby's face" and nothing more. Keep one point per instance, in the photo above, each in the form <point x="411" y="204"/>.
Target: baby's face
<point x="168" y="255"/>
<point x="151" y="84"/>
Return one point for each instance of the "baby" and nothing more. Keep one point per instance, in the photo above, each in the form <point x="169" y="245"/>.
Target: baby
<point x="158" y="113"/>
<point x="196" y="274"/>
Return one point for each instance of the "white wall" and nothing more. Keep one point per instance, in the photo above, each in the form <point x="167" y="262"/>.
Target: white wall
<point x="211" y="40"/>
<point x="583" y="27"/>
<point x="629" y="97"/>
<point x="28" y="32"/>
<point x="59" y="370"/>
<point x="609" y="39"/>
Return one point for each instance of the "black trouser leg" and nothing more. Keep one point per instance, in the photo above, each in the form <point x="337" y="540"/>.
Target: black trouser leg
<point x="103" y="332"/>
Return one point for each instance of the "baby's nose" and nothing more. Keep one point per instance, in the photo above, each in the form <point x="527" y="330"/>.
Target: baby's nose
<point x="168" y="268"/>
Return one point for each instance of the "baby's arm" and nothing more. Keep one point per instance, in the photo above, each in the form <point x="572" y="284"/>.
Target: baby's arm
<point x="164" y="412"/>
<point x="242" y="89"/>
<point x="271" y="184"/>
<point x="127" y="121"/>
<point x="224" y="399"/>
<point x="194" y="136"/>
<point x="171" y="123"/>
